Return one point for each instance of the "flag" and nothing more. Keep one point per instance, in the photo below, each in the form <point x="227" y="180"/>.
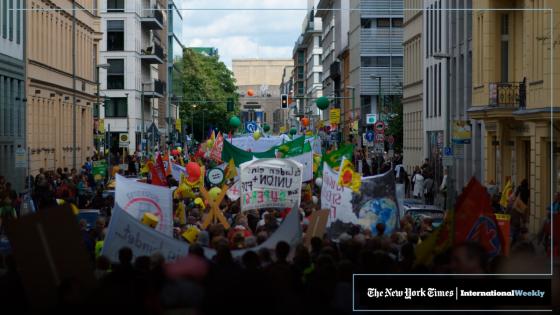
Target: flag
<point x="292" y="148"/>
<point x="158" y="172"/>
<point x="317" y="164"/>
<point x="216" y="152"/>
<point x="333" y="158"/>
<point x="436" y="243"/>
<point x="146" y="167"/>
<point x="506" y="192"/>
<point x="230" y="171"/>
<point x="348" y="177"/>
<point x="213" y="136"/>
<point x="475" y="220"/>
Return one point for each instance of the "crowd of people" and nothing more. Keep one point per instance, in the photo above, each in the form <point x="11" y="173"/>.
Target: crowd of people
<point x="310" y="279"/>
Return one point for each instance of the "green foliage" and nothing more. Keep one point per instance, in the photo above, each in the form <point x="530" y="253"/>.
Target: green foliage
<point x="396" y="123"/>
<point x="207" y="83"/>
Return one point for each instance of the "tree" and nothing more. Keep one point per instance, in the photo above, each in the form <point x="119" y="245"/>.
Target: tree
<point x="207" y="83"/>
<point x="395" y="128"/>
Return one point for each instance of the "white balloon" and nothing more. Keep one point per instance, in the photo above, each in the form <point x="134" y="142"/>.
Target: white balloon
<point x="315" y="200"/>
<point x="319" y="182"/>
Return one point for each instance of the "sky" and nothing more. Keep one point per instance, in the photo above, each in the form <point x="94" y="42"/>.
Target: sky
<point x="244" y="34"/>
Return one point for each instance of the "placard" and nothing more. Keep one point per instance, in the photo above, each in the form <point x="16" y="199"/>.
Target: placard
<point x="137" y="198"/>
<point x="270" y="183"/>
<point x="336" y="198"/>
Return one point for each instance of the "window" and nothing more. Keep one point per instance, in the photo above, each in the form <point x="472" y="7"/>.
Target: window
<point x="396" y="61"/>
<point x="115" y="5"/>
<point x="116" y="107"/>
<point x="18" y="22"/>
<point x="4" y="18"/>
<point x="11" y="16"/>
<point x="115" y="74"/>
<point x="504" y="48"/>
<point x="383" y="22"/>
<point x="397" y="22"/>
<point x="366" y="23"/>
<point x="115" y="35"/>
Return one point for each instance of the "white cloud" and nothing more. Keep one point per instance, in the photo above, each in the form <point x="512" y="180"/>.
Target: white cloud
<point x="244" y="33"/>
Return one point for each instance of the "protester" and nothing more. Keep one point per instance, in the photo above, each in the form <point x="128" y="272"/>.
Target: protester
<point x="418" y="184"/>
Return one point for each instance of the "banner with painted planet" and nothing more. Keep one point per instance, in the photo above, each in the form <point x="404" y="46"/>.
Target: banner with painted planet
<point x="377" y="202"/>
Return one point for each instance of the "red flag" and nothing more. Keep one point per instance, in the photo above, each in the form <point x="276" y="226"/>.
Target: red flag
<point x="158" y="172"/>
<point x="216" y="153"/>
<point x="475" y="220"/>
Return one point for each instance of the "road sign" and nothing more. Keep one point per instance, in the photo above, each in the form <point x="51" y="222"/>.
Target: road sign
<point x="365" y="141"/>
<point x="447" y="161"/>
<point x="379" y="137"/>
<point x="379" y="148"/>
<point x="391" y="153"/>
<point x="379" y="127"/>
<point x="370" y="136"/>
<point x="251" y="126"/>
<point x="21" y="158"/>
<point x="371" y="119"/>
<point x="391" y="139"/>
<point x="335" y="116"/>
<point x="447" y="151"/>
<point x="123" y="140"/>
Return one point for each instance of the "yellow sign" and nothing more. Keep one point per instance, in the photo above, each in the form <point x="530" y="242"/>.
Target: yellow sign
<point x="178" y="124"/>
<point x="461" y="132"/>
<point x="335" y="116"/>
<point x="282" y="129"/>
<point x="101" y="126"/>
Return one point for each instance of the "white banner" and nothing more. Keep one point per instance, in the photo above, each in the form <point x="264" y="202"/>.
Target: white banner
<point x="126" y="231"/>
<point x="138" y="198"/>
<point x="305" y="159"/>
<point x="177" y="170"/>
<point x="270" y="183"/>
<point x="233" y="192"/>
<point x="336" y="198"/>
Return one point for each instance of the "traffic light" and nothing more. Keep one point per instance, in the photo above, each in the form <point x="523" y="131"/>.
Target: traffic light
<point x="284" y="101"/>
<point x="230" y="104"/>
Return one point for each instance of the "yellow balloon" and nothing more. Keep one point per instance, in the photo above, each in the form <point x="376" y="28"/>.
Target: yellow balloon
<point x="214" y="192"/>
<point x="257" y="135"/>
<point x="198" y="201"/>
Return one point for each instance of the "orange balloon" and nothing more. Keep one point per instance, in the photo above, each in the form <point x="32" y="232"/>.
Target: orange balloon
<point x="250" y="92"/>
<point x="305" y="121"/>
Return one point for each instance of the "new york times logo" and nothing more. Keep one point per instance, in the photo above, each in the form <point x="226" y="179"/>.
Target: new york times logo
<point x="408" y="293"/>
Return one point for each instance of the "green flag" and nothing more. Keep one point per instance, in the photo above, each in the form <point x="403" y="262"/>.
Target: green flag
<point x="333" y="158"/>
<point x="292" y="148"/>
<point x="240" y="156"/>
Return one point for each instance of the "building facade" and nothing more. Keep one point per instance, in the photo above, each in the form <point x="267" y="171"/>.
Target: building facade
<point x="12" y="91"/>
<point x="515" y="95"/>
<point x="61" y="89"/>
<point x="133" y="47"/>
<point x="175" y="50"/>
<point x="376" y="56"/>
<point x="307" y="59"/>
<point x="413" y="130"/>
<point x="262" y="79"/>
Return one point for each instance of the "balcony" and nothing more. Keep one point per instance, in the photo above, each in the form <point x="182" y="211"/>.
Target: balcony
<point x="507" y="95"/>
<point x="152" y="19"/>
<point x="154" y="90"/>
<point x="153" y="54"/>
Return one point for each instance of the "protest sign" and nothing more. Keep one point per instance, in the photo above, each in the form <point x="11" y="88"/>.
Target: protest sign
<point x="216" y="152"/>
<point x="317" y="226"/>
<point x="305" y="159"/>
<point x="137" y="198"/>
<point x="233" y="192"/>
<point x="99" y="170"/>
<point x="48" y="249"/>
<point x="504" y="228"/>
<point x="177" y="170"/>
<point x="270" y="183"/>
<point x="336" y="198"/>
<point x="377" y="202"/>
<point x="126" y="231"/>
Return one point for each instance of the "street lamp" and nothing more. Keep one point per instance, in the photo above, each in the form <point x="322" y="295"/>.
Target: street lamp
<point x="353" y="117"/>
<point x="142" y="117"/>
<point x="97" y="67"/>
<point x="449" y="143"/>
<point x="194" y="106"/>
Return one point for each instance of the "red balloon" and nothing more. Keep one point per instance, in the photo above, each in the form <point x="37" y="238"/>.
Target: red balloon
<point x="174" y="152"/>
<point x="193" y="170"/>
<point x="250" y="92"/>
<point x="305" y="121"/>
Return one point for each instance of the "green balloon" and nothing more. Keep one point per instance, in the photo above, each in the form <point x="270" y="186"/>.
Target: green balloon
<point x="266" y="128"/>
<point x="234" y="121"/>
<point x="322" y="102"/>
<point x="293" y="131"/>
